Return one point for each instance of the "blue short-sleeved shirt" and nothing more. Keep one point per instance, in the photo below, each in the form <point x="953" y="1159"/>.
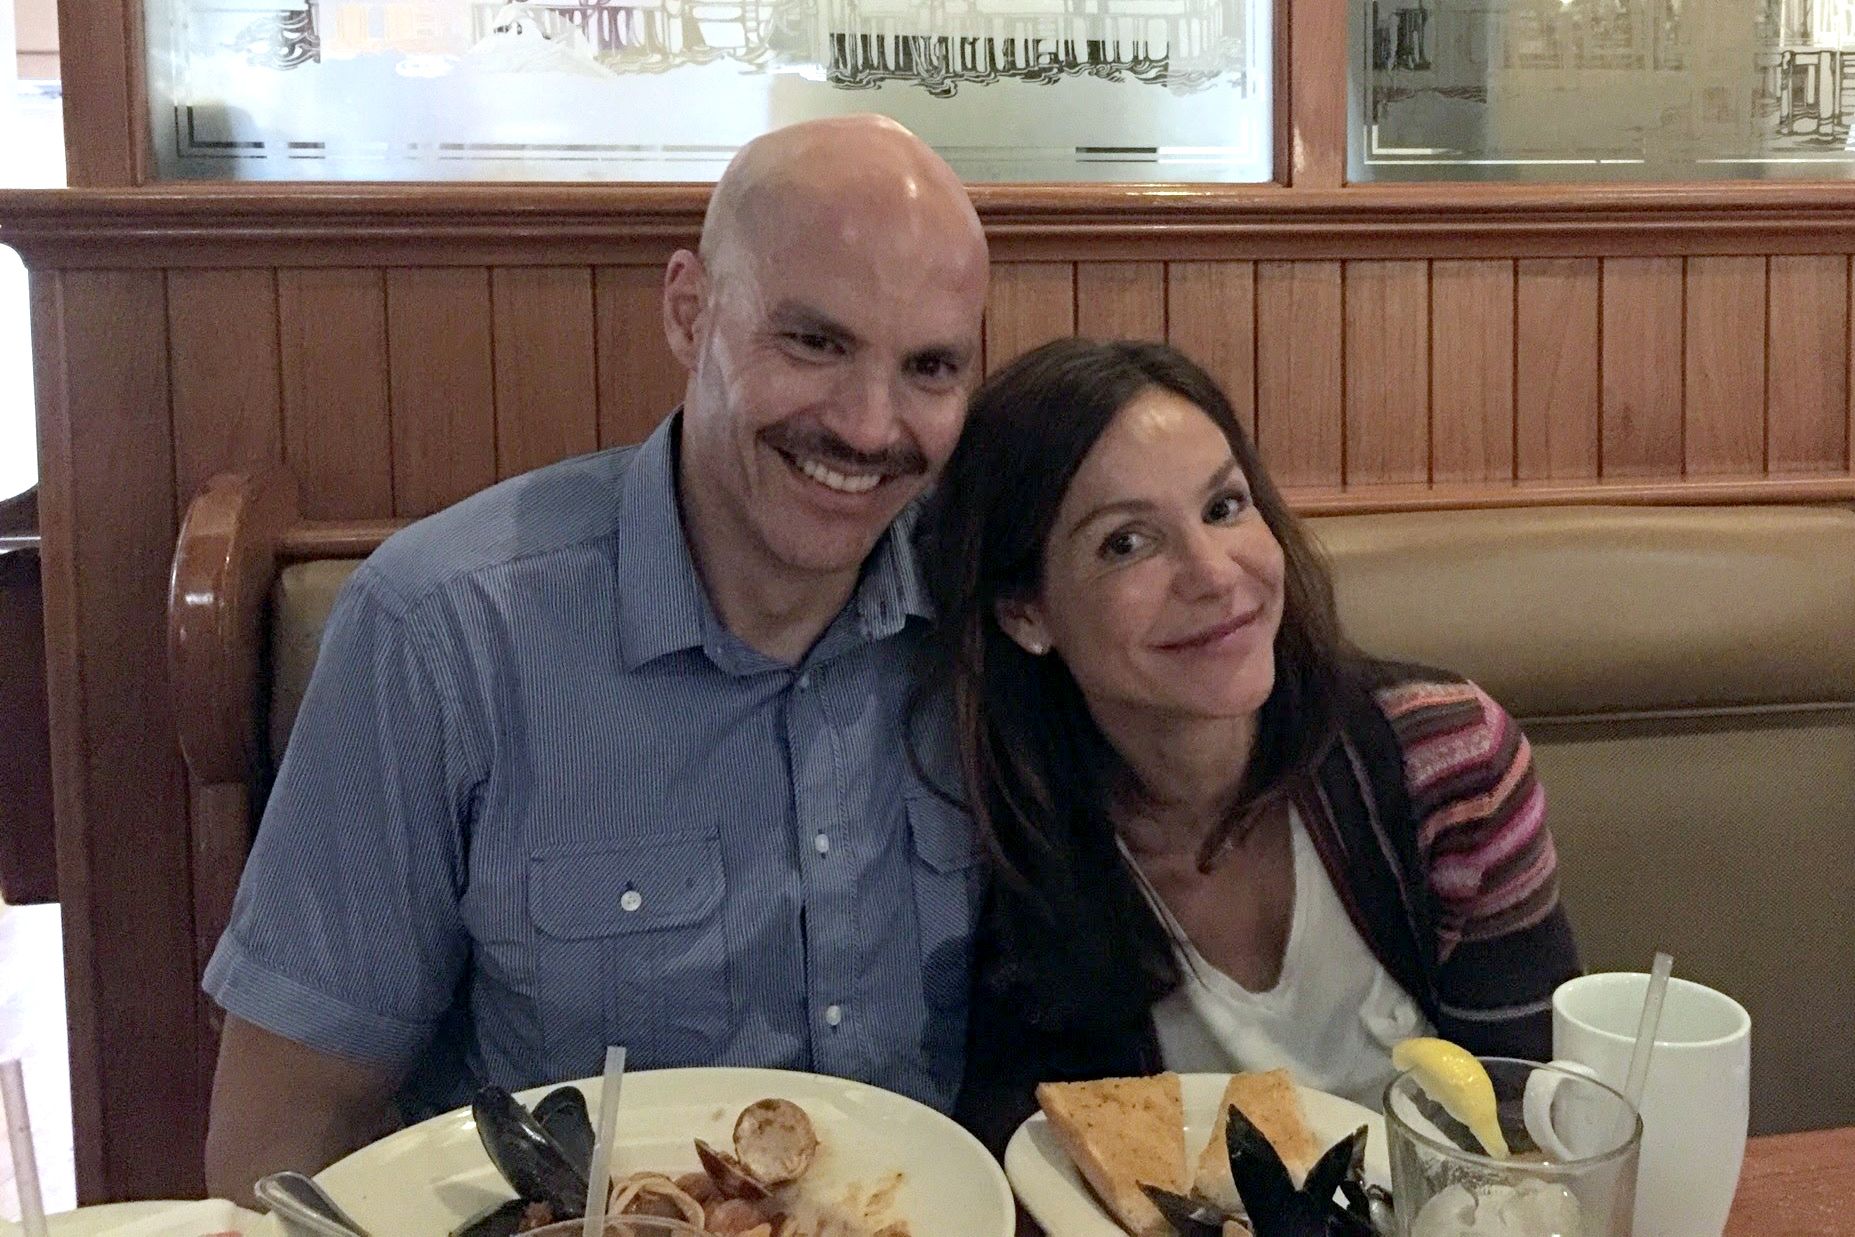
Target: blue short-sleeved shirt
<point x="538" y="800"/>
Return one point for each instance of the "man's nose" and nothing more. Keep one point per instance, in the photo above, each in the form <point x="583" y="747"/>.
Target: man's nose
<point x="865" y="413"/>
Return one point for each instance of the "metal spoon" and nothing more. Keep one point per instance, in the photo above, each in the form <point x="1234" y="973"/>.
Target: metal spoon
<point x="304" y="1208"/>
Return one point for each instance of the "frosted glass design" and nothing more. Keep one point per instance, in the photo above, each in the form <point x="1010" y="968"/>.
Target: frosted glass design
<point x="1581" y="89"/>
<point x="667" y="90"/>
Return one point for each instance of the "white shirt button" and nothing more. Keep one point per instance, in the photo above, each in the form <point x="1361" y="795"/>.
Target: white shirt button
<point x="833" y="1015"/>
<point x="631" y="900"/>
<point x="805" y="681"/>
<point x="821" y="844"/>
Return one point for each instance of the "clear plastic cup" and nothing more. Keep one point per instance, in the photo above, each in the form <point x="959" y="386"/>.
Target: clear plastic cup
<point x="1573" y="1172"/>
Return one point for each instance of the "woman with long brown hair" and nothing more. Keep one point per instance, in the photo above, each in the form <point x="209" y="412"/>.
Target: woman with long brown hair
<point x="1224" y="839"/>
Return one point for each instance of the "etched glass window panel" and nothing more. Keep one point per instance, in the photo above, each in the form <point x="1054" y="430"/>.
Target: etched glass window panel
<point x="667" y="90"/>
<point x="1601" y="89"/>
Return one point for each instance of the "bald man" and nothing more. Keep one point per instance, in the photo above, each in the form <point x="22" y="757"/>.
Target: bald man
<point x="615" y="752"/>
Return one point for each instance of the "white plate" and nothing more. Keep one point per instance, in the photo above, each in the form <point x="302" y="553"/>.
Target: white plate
<point x="425" y="1180"/>
<point x="166" y="1216"/>
<point x="1055" y="1194"/>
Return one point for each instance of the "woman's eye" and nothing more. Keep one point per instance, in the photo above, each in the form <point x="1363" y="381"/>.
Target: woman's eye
<point x="1122" y="545"/>
<point x="811" y="341"/>
<point x="1226" y="508"/>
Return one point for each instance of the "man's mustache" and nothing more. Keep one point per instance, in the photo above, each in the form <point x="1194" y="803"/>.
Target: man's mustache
<point x="817" y="443"/>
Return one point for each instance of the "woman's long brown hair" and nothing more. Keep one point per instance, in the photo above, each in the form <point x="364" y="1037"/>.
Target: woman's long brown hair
<point x="1067" y="918"/>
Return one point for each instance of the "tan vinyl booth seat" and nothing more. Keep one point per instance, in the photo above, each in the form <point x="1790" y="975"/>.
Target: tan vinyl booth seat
<point x="1687" y="679"/>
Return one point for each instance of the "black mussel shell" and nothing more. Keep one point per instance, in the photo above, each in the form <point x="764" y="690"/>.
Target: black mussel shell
<point x="526" y="1155"/>
<point x="502" y="1220"/>
<point x="1343" y="1161"/>
<point x="1276" y="1208"/>
<point x="1188" y="1216"/>
<point x="562" y="1113"/>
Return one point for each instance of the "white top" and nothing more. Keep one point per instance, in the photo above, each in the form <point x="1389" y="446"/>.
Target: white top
<point x="1331" y="1019"/>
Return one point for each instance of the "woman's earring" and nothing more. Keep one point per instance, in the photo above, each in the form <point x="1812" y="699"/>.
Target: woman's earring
<point x="1037" y="648"/>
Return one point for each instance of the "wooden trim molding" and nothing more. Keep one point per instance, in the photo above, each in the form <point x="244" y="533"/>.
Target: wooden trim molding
<point x="317" y="224"/>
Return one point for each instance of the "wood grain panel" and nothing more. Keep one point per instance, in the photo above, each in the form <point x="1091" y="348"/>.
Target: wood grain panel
<point x="547" y="400"/>
<point x="1211" y="317"/>
<point x="1317" y="104"/>
<point x="1387" y="372"/>
<point x="105" y="98"/>
<point x="123" y="861"/>
<point x="1300" y="424"/>
<point x="639" y="380"/>
<point x="1807" y="376"/>
<point x="222" y="340"/>
<point x="1642" y="333"/>
<point x="1030" y="303"/>
<point x="442" y="385"/>
<point x="1556" y="368"/>
<point x="1725" y="365"/>
<point x="338" y="437"/>
<point x="1472" y="371"/>
<point x="1121" y="300"/>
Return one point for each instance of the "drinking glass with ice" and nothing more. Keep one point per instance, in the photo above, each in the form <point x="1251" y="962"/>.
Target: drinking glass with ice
<point x="1570" y="1170"/>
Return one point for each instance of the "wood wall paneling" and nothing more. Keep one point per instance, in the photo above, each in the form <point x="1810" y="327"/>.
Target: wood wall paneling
<point x="338" y="435"/>
<point x="1725" y="366"/>
<point x="442" y="385"/>
<point x="223" y="354"/>
<point x="1807" y="374"/>
<point x="105" y="107"/>
<point x="1472" y="371"/>
<point x="1030" y="303"/>
<point x="547" y="391"/>
<point x="1642" y="363"/>
<point x="1121" y="300"/>
<point x="639" y="380"/>
<point x="1557" y="365"/>
<point x="1317" y="92"/>
<point x="1211" y="317"/>
<point x="123" y="862"/>
<point x="1387" y="372"/>
<point x="1300" y="425"/>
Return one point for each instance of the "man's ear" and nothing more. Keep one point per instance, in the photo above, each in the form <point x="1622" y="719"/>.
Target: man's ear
<point x="1023" y="622"/>
<point x="685" y="296"/>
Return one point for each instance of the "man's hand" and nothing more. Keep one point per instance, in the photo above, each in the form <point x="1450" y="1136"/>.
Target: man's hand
<point x="278" y="1105"/>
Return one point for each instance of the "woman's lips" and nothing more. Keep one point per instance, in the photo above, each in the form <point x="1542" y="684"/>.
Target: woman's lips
<point x="1212" y="636"/>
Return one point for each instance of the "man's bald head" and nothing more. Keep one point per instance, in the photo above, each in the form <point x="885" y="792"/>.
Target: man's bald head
<point x="847" y="180"/>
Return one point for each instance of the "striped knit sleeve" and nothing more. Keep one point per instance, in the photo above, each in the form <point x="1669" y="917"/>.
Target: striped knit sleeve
<point x="1503" y="942"/>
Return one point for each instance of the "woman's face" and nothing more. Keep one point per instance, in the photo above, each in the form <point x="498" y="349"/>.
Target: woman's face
<point x="1162" y="587"/>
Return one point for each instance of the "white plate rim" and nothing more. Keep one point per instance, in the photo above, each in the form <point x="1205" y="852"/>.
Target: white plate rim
<point x="1051" y="1189"/>
<point x="742" y="1081"/>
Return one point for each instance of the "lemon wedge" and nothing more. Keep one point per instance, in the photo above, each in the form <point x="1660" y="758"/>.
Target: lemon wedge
<point x="1450" y="1075"/>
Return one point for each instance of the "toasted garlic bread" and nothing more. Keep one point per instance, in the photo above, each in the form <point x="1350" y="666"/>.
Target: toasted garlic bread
<point x="1122" y="1133"/>
<point x="1269" y="1101"/>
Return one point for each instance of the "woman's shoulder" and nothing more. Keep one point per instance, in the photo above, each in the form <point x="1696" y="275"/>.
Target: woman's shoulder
<point x="1457" y="742"/>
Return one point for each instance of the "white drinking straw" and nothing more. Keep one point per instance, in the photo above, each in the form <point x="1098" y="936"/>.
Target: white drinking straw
<point x="25" y="1163"/>
<point x="601" y="1174"/>
<point x="1646" y="1029"/>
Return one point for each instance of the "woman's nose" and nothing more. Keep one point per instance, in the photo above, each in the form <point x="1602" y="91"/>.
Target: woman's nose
<point x="1208" y="567"/>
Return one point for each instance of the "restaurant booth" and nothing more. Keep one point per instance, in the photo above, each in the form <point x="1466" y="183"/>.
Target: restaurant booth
<point x="1604" y="405"/>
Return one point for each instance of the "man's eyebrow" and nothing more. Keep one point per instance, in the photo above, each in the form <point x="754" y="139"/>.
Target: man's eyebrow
<point x="1133" y="506"/>
<point x="792" y="316"/>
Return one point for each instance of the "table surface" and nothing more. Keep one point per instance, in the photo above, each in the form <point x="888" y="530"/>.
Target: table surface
<point x="1797" y="1185"/>
<point x="1793" y="1185"/>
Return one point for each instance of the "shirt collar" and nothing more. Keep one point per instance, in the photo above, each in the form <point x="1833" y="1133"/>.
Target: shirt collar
<point x="665" y="609"/>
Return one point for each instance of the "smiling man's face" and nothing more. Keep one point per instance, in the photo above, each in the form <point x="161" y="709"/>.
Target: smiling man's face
<point x="830" y="363"/>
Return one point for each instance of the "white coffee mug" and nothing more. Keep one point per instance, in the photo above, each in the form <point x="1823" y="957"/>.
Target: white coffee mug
<point x="1695" y="1101"/>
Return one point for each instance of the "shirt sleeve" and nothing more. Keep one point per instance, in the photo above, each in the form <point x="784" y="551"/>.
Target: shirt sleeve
<point x="1503" y="941"/>
<point x="346" y="934"/>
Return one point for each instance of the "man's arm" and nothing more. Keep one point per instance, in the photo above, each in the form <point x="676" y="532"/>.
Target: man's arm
<point x="277" y="1105"/>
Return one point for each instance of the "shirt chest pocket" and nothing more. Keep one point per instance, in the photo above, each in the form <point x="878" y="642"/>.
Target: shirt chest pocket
<point x="631" y="948"/>
<point x="949" y="873"/>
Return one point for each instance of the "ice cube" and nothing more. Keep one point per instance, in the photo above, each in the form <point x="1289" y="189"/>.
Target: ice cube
<point x="1528" y="1209"/>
